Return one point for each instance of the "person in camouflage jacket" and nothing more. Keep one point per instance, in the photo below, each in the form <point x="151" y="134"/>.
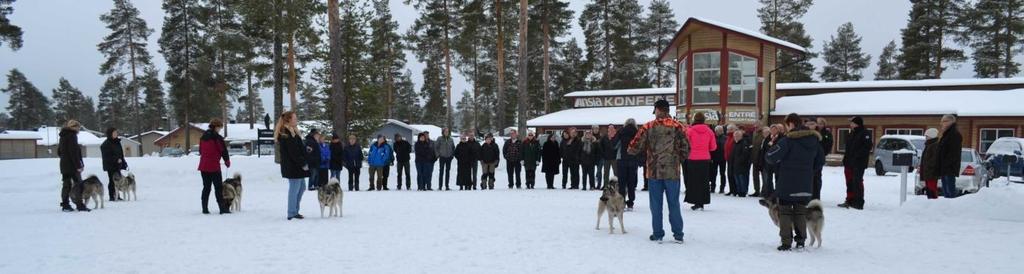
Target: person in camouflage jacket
<point x="665" y="144"/>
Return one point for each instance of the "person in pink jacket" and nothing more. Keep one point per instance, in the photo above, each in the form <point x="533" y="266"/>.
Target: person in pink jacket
<point x="698" y="165"/>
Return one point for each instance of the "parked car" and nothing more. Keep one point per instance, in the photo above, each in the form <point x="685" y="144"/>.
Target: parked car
<point x="172" y="152"/>
<point x="973" y="174"/>
<point x="892" y="143"/>
<point x="999" y="152"/>
<point x="233" y="151"/>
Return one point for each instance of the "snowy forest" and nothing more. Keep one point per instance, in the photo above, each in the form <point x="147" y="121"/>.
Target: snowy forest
<point x="344" y="62"/>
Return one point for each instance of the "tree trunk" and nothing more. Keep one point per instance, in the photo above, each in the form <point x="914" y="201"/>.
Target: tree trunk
<point x="499" y="118"/>
<point x="292" y="83"/>
<point x="135" y="91"/>
<point x="278" y="68"/>
<point x="606" y="78"/>
<point x="252" y="101"/>
<point x="187" y="126"/>
<point x="338" y="96"/>
<point x="446" y="49"/>
<point x="523" y="60"/>
<point x="546" y="77"/>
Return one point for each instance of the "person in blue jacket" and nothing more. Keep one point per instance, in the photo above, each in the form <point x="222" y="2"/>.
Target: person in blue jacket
<point x="325" y="162"/>
<point x="797" y="156"/>
<point x="381" y="155"/>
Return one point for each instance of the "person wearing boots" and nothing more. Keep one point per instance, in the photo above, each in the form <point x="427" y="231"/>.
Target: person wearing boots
<point x="531" y="158"/>
<point x="855" y="161"/>
<point x="402" y="151"/>
<point x="590" y="155"/>
<point x="929" y="163"/>
<point x="353" y="162"/>
<point x="950" y="145"/>
<point x="512" y="151"/>
<point x="490" y="157"/>
<point x="628" y="163"/>
<point x="551" y="156"/>
<point x="702" y="144"/>
<point x="425" y="158"/>
<point x="609" y="155"/>
<point x="563" y="147"/>
<point x="71" y="166"/>
<point x="211" y="150"/>
<point x="798" y="156"/>
<point x="474" y="150"/>
<point x="664" y="139"/>
<point x="444" y="148"/>
<point x="113" y="161"/>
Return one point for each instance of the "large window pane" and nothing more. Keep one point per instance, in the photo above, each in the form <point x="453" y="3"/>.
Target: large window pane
<point x="989" y="136"/>
<point x="681" y="83"/>
<point x="706" y="77"/>
<point x="742" y="79"/>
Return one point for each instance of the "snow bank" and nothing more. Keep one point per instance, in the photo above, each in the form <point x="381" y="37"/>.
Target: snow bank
<point x="1002" y="201"/>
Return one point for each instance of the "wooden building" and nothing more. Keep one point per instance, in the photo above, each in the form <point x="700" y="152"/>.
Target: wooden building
<point x="18" y="144"/>
<point x="725" y="71"/>
<point x="148" y="141"/>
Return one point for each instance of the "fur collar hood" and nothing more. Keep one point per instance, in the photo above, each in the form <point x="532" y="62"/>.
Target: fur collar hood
<point x="803" y="133"/>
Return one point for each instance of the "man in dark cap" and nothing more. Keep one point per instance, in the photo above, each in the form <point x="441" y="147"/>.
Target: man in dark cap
<point x="664" y="141"/>
<point x="855" y="161"/>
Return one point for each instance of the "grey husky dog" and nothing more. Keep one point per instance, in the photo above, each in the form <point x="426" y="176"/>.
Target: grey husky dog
<point x="614" y="203"/>
<point x="815" y="218"/>
<point x="92" y="188"/>
<point x="331" y="198"/>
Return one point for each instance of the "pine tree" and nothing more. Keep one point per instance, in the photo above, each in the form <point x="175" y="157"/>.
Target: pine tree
<point x="430" y="39"/>
<point x="9" y="33"/>
<point x="475" y="55"/>
<point x="549" y="21"/>
<point x="994" y="30"/>
<point x="406" y="105"/>
<point x="252" y="110"/>
<point x="658" y="30"/>
<point x="887" y="66"/>
<point x="113" y="108"/>
<point x="844" y="59"/>
<point x="926" y="53"/>
<point x="5" y="120"/>
<point x="28" y="107"/>
<point x="464" y="109"/>
<point x="227" y="47"/>
<point x="69" y="103"/>
<point x="125" y="52"/>
<point x="780" y="19"/>
<point x="571" y="70"/>
<point x="611" y="29"/>
<point x="387" y="55"/>
<point x="154" y="108"/>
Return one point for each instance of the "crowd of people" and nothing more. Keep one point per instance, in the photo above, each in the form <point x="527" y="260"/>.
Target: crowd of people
<point x="784" y="160"/>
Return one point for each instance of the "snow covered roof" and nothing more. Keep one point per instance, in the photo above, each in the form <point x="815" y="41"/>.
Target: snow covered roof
<point x="782" y="44"/>
<point x="19" y="135"/>
<point x="902" y="102"/>
<point x="432" y="129"/>
<point x="902" y="83"/>
<point x="621" y="92"/>
<point x="237" y="132"/>
<point x="595" y="116"/>
<point x="157" y="132"/>
<point x="50" y="136"/>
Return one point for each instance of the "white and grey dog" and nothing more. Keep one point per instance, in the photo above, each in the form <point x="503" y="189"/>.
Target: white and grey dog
<point x="231" y="192"/>
<point x="815" y="218"/>
<point x="614" y="203"/>
<point x="125" y="185"/>
<point x="331" y="197"/>
<point x="92" y="188"/>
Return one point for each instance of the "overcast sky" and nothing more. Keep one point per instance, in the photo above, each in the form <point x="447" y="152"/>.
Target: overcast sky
<point x="61" y="35"/>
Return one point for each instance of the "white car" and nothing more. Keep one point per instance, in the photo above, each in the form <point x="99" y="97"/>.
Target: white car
<point x="973" y="174"/>
<point x="890" y="144"/>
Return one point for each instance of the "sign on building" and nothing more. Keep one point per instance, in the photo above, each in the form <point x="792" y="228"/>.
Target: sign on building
<point x="623" y="101"/>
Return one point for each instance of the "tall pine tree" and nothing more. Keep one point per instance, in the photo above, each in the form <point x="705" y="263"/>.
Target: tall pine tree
<point x="430" y="39"/>
<point x="125" y="52"/>
<point x="29" y="108"/>
<point x="658" y="30"/>
<point x="844" y="59"/>
<point x="69" y="103"/>
<point x="114" y="108"/>
<point x="887" y="66"/>
<point x="611" y="29"/>
<point x="931" y="26"/>
<point x="781" y="19"/>
<point x="994" y="29"/>
<point x="387" y="54"/>
<point x="154" y="107"/>
<point x="9" y="33"/>
<point x="549" y="21"/>
<point x="571" y="71"/>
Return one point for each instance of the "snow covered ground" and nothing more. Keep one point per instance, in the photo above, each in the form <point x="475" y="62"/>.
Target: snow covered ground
<point x="500" y="231"/>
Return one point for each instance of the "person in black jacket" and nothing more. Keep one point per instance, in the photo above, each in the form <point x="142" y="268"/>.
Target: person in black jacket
<point x="425" y="158"/>
<point x="513" y="153"/>
<point x="490" y="157"/>
<point x="353" y="162"/>
<point x="950" y="146"/>
<point x="797" y="157"/>
<point x="313" y="158"/>
<point x="740" y="162"/>
<point x="474" y="150"/>
<point x="71" y="166"/>
<point x="609" y="154"/>
<point x="551" y="158"/>
<point x="113" y="161"/>
<point x="402" y="151"/>
<point x="464" y="167"/>
<point x="768" y="171"/>
<point x="563" y="144"/>
<point x="628" y="163"/>
<point x="855" y="161"/>
<point x="718" y="160"/>
<point x="590" y="155"/>
<point x="337" y="156"/>
<point x="826" y="146"/>
<point x="572" y="153"/>
<point x="294" y="166"/>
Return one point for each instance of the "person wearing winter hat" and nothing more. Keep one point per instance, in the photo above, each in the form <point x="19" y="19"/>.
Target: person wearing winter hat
<point x="113" y="161"/>
<point x="71" y="165"/>
<point x="855" y="161"/>
<point x="929" y="159"/>
<point x="665" y="143"/>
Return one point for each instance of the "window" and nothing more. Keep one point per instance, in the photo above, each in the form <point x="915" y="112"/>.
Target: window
<point x="989" y="135"/>
<point x="841" y="139"/>
<point x="706" y="77"/>
<point x="742" y="79"/>
<point x="681" y="83"/>
<point x="904" y="131"/>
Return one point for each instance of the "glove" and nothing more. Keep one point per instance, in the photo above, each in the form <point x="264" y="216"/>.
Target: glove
<point x="227" y="163"/>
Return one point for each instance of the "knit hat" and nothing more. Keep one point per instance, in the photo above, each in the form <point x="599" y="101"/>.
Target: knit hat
<point x="931" y="133"/>
<point x="661" y="104"/>
<point x="857" y="120"/>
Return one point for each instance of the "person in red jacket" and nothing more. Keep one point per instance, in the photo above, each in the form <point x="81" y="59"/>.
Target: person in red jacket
<point x="211" y="150"/>
<point x="729" y="142"/>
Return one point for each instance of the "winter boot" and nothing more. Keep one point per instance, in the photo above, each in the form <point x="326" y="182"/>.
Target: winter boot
<point x="799" y="246"/>
<point x="655" y="239"/>
<point x="844" y="205"/>
<point x="783" y="248"/>
<point x="66" y="208"/>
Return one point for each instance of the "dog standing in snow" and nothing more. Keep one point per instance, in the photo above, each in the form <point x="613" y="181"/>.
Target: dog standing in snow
<point x="614" y="203"/>
<point x="125" y="185"/>
<point x="331" y="197"/>
<point x="815" y="218"/>
<point x="92" y="188"/>
<point x="231" y="192"/>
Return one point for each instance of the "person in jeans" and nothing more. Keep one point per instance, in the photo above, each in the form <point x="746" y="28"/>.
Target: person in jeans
<point x="71" y="165"/>
<point x="609" y="154"/>
<point x="489" y="160"/>
<point x="950" y="146"/>
<point x="211" y="150"/>
<point x="512" y="150"/>
<point x="628" y="163"/>
<point x="798" y="155"/>
<point x="665" y="142"/>
<point x="381" y="156"/>
<point x="444" y="149"/>
<point x="855" y="161"/>
<point x="353" y="162"/>
<point x="531" y="158"/>
<point x="113" y="161"/>
<point x="323" y="171"/>
<point x="337" y="157"/>
<point x="424" y="161"/>
<point x="292" y="153"/>
<point x="402" y="151"/>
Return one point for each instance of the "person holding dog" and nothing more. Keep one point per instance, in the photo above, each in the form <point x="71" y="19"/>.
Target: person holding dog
<point x="292" y="153"/>
<point x="664" y="139"/>
<point x="71" y="166"/>
<point x="113" y="161"/>
<point x="797" y="156"/>
<point x="211" y="150"/>
<point x="698" y="165"/>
